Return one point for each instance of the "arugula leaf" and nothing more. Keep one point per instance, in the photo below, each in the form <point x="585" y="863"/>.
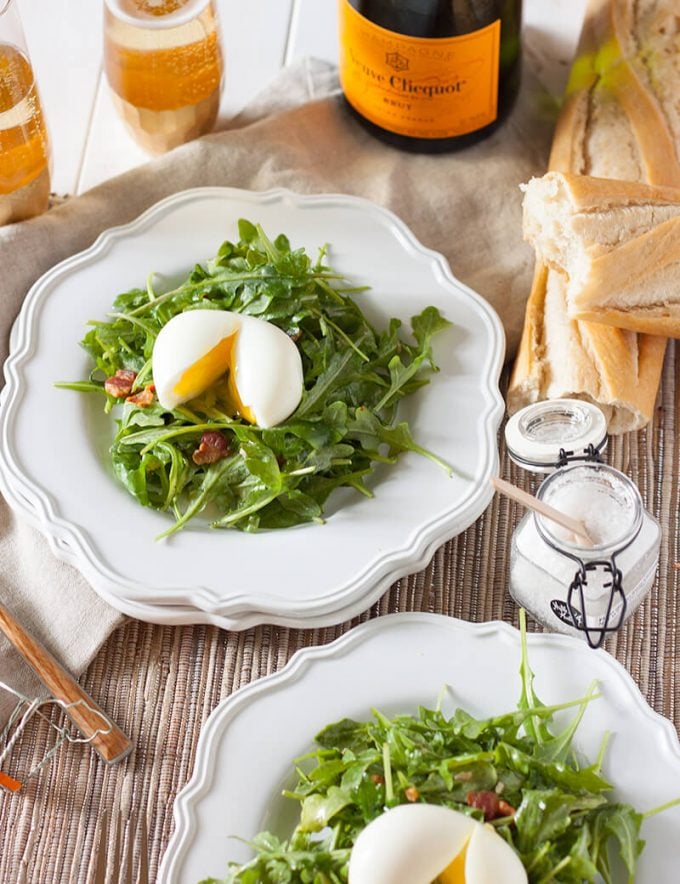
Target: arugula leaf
<point x="622" y="824"/>
<point x="425" y="327"/>
<point x="318" y="810"/>
<point x="427" y="324"/>
<point x="536" y="729"/>
<point x="545" y="814"/>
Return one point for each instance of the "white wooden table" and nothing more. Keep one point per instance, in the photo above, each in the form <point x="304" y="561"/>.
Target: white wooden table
<point x="91" y="144"/>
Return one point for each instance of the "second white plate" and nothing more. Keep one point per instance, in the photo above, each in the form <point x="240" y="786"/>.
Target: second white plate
<point x="396" y="663"/>
<point x="309" y="576"/>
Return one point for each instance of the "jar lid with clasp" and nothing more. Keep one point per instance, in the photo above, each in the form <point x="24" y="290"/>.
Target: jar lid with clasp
<point x="563" y="583"/>
<point x="547" y="435"/>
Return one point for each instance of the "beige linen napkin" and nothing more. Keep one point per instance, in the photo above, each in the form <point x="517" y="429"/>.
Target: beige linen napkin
<point x="298" y="135"/>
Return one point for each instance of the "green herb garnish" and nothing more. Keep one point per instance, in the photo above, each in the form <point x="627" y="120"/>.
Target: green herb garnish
<point x="557" y="813"/>
<point x="354" y="377"/>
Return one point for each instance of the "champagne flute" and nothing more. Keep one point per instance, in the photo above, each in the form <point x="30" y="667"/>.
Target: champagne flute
<point x="24" y="146"/>
<point x="163" y="61"/>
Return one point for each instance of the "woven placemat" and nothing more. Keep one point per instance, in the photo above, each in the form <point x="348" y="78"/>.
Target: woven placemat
<point x="161" y="683"/>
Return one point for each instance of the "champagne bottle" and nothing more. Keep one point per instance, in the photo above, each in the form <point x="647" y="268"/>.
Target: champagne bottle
<point x="430" y="75"/>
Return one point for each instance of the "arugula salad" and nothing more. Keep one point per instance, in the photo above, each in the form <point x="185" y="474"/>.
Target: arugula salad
<point x="200" y="456"/>
<point x="514" y="771"/>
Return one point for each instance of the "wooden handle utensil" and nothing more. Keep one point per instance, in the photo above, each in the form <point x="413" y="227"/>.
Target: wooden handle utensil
<point x="576" y="526"/>
<point x="102" y="734"/>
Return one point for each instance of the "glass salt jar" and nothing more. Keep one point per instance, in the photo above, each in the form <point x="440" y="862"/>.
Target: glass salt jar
<point x="563" y="584"/>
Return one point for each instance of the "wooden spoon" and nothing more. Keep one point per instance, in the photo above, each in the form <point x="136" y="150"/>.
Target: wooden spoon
<point x="576" y="526"/>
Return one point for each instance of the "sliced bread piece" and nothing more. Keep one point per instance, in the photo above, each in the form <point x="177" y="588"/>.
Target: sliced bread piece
<point x="619" y="120"/>
<point x="618" y="244"/>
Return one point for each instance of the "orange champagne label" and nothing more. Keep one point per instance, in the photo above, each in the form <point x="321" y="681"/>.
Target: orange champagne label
<point x="421" y="87"/>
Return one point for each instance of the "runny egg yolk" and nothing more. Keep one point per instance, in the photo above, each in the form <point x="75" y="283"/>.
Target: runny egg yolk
<point x="454" y="873"/>
<point x="203" y="373"/>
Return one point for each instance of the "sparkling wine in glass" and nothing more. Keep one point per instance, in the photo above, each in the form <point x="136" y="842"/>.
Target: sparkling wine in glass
<point x="24" y="146"/>
<point x="163" y="61"/>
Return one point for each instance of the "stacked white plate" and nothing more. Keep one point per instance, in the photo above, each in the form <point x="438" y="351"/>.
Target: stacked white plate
<point x="55" y="470"/>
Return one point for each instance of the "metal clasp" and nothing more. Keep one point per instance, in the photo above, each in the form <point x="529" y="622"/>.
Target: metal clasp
<point x="591" y="454"/>
<point x="595" y="635"/>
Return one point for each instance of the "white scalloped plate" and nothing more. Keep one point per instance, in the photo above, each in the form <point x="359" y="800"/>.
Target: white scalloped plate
<point x="395" y="663"/>
<point x="310" y="576"/>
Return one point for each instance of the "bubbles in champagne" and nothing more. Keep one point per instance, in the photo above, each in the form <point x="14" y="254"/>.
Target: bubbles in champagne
<point x="156" y="13"/>
<point x="153" y="7"/>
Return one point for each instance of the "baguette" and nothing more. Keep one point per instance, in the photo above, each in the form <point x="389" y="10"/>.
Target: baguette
<point x="619" y="120"/>
<point x="616" y="242"/>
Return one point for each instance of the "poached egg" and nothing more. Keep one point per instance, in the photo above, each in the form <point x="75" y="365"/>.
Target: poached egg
<point x="424" y="843"/>
<point x="257" y="366"/>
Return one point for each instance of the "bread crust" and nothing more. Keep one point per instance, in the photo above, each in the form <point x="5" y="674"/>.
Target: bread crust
<point x="645" y="321"/>
<point x="628" y="366"/>
<point x="588" y="194"/>
<point x="527" y="381"/>
<point x="627" y="279"/>
<point x="608" y="295"/>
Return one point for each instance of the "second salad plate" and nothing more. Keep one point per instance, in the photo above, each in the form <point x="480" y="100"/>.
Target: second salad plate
<point x="245" y="755"/>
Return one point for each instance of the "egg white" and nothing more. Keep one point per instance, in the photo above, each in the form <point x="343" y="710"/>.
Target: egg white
<point x="416" y="843"/>
<point x="269" y="376"/>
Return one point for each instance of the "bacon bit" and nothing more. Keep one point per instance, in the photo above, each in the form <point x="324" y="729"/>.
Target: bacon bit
<point x="378" y="779"/>
<point x="120" y="384"/>
<point x="9" y="783"/>
<point x="486" y="801"/>
<point x="506" y="809"/>
<point x="412" y="794"/>
<point x="144" y="397"/>
<point x="213" y="447"/>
